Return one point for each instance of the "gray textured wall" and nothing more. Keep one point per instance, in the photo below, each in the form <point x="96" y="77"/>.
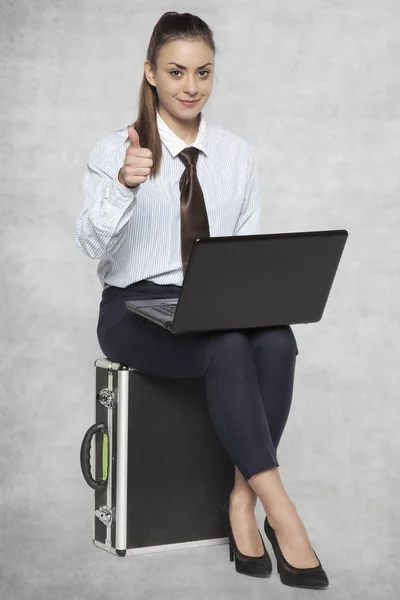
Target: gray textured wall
<point x="314" y="86"/>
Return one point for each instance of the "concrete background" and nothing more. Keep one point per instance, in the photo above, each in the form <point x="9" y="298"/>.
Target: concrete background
<point x="314" y="85"/>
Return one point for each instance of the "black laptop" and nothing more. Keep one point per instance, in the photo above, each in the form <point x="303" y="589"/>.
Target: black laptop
<point x="245" y="281"/>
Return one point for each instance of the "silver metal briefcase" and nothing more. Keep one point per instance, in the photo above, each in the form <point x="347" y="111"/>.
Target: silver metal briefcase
<point x="161" y="472"/>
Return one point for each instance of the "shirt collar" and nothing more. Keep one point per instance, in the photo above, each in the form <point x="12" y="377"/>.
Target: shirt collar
<point x="175" y="144"/>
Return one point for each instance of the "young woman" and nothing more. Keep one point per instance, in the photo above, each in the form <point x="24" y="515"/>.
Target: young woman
<point x="132" y="220"/>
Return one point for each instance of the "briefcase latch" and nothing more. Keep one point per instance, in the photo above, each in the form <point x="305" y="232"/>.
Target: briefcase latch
<point x="104" y="514"/>
<point x="106" y="397"/>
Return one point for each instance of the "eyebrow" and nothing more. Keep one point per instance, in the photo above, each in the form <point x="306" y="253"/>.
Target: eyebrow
<point x="184" y="68"/>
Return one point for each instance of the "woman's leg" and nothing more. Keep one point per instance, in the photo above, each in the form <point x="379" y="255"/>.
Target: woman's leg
<point x="275" y="351"/>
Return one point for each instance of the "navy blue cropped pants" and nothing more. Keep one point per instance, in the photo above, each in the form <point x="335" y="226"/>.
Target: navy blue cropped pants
<point x="249" y="374"/>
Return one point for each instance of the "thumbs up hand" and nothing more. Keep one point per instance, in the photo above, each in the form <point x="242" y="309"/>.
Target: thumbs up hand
<point x="137" y="164"/>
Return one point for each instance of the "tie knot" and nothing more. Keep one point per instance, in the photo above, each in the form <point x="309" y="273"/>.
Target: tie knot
<point x="189" y="156"/>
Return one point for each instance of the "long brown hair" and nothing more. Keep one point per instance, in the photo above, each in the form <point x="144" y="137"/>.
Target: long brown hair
<point x="171" y="26"/>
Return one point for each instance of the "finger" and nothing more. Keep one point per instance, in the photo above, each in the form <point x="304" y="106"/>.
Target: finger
<point x="133" y="137"/>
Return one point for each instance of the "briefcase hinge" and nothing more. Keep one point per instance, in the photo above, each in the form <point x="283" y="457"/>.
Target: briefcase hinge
<point x="106" y="397"/>
<point x="105" y="515"/>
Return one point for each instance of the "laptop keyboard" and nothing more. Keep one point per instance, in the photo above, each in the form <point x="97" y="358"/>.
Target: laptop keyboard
<point x="167" y="309"/>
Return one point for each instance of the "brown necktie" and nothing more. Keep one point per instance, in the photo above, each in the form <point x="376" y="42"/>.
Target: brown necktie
<point x="194" y="220"/>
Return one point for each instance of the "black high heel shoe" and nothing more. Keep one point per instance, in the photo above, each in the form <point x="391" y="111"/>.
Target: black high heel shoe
<point x="256" y="566"/>
<point x="311" y="577"/>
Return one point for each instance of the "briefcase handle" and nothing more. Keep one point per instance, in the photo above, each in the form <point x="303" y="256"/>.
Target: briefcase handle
<point x="85" y="456"/>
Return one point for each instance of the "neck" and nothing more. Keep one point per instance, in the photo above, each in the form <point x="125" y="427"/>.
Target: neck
<point x="186" y="130"/>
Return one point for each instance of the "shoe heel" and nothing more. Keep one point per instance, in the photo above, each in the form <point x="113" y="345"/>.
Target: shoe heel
<point x="230" y="552"/>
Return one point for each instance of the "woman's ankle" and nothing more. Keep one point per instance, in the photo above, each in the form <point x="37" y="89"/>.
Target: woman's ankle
<point x="282" y="517"/>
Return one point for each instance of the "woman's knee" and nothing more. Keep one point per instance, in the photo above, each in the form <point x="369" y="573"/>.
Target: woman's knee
<point x="279" y="339"/>
<point x="227" y="344"/>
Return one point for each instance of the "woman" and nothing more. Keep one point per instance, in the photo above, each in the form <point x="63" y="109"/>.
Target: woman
<point x="131" y="221"/>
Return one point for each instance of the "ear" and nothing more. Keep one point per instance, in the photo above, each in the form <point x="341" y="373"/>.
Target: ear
<point x="149" y="72"/>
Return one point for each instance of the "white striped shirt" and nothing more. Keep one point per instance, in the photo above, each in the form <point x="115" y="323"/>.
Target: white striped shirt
<point x="136" y="232"/>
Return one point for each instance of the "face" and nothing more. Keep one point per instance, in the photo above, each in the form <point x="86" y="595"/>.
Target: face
<point x="191" y="80"/>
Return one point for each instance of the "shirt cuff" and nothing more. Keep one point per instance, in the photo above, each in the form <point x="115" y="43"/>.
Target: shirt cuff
<point x="121" y="195"/>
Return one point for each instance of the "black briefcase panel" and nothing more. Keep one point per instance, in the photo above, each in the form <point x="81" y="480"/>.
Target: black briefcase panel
<point x="161" y="472"/>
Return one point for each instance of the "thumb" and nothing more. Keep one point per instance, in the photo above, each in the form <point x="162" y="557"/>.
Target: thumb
<point x="133" y="136"/>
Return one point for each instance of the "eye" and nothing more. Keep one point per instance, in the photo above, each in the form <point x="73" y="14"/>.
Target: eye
<point x="176" y="71"/>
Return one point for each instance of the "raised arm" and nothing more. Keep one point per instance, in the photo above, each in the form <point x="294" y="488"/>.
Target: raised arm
<point x="108" y="205"/>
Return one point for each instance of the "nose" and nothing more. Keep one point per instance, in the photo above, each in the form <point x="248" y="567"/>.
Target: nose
<point x="190" y="86"/>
